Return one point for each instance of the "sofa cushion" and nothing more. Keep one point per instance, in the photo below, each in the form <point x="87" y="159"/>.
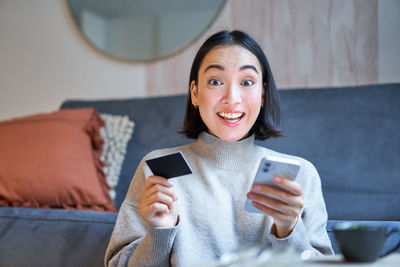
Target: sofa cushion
<point x="53" y="161"/>
<point x="54" y="237"/>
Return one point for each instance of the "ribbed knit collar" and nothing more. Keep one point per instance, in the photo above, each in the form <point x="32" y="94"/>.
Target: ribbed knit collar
<point x="224" y="154"/>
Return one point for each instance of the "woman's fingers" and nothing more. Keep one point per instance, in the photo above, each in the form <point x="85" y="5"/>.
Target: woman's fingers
<point x="288" y="185"/>
<point x="275" y="204"/>
<point x="157" y="190"/>
<point x="272" y="212"/>
<point x="151" y="180"/>
<point x="281" y="194"/>
<point x="283" y="202"/>
<point x="157" y="203"/>
<point x="158" y="197"/>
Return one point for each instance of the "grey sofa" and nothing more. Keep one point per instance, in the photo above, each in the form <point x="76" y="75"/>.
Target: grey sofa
<point x="351" y="134"/>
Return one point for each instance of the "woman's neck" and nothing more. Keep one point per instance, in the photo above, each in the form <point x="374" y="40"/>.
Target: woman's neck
<point x="225" y="154"/>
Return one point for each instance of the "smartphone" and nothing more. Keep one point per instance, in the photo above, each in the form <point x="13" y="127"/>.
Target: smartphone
<point x="169" y="166"/>
<point x="268" y="168"/>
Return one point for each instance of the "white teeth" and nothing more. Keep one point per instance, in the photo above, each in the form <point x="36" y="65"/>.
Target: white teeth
<point x="234" y="115"/>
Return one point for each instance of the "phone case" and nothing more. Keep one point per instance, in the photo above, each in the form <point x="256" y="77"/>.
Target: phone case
<point x="268" y="168"/>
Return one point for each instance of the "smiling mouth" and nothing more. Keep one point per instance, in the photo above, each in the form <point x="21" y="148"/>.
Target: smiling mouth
<point x="231" y="117"/>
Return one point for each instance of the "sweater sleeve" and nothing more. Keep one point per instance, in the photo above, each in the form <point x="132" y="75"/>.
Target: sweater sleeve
<point x="133" y="242"/>
<point x="310" y="230"/>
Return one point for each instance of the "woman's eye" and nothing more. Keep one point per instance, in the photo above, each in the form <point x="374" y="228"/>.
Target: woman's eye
<point x="215" y="82"/>
<point x="247" y="82"/>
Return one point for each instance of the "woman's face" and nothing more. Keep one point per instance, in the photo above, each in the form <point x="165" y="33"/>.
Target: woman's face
<point x="229" y="92"/>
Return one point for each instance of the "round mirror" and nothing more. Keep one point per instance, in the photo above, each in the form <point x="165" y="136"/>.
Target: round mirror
<point x="143" y="30"/>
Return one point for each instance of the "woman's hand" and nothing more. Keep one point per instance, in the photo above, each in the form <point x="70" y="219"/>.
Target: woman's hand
<point x="157" y="204"/>
<point x="283" y="204"/>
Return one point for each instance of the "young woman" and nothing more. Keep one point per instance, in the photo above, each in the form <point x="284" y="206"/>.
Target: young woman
<point x="196" y="218"/>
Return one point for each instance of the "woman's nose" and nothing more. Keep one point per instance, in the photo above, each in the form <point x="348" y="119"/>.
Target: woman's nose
<point x="232" y="95"/>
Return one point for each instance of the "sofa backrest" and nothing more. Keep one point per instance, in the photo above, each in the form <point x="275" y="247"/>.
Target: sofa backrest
<point x="349" y="133"/>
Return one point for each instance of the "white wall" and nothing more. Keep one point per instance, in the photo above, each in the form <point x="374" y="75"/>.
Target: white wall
<point x="43" y="59"/>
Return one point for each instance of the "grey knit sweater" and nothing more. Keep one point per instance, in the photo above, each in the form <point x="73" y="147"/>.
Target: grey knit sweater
<point x="212" y="218"/>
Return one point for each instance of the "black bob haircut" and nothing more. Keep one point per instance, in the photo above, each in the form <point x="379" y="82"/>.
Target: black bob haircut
<point x="268" y="121"/>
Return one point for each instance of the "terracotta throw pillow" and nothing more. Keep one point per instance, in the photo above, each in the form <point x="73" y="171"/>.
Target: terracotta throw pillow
<point x="53" y="161"/>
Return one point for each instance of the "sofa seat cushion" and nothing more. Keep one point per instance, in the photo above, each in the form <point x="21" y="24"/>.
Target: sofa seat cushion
<point x="54" y="237"/>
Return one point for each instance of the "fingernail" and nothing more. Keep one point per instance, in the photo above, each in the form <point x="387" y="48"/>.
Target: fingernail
<point x="277" y="179"/>
<point x="170" y="183"/>
<point x="256" y="188"/>
<point x="251" y="196"/>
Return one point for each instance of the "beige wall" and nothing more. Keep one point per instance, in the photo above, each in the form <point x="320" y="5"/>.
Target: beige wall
<point x="310" y="43"/>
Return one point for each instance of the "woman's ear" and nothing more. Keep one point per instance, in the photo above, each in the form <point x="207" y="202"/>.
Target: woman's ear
<point x="194" y="93"/>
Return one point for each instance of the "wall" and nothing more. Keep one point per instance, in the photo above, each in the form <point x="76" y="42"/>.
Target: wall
<point x="310" y="43"/>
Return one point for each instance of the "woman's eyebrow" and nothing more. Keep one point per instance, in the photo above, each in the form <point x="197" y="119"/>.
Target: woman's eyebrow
<point x="248" y="67"/>
<point x="215" y="66"/>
